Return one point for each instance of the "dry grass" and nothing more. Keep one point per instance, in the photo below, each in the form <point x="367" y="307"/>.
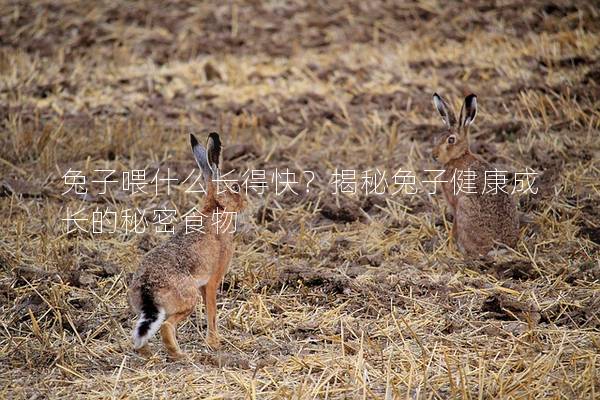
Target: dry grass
<point x="353" y="297"/>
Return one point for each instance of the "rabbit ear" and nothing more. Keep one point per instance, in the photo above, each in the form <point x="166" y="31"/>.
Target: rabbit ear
<point x="201" y="157"/>
<point x="445" y="111"/>
<point x="213" y="149"/>
<point x="468" y="110"/>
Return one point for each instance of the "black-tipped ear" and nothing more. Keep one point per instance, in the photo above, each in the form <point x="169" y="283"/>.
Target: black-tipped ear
<point x="468" y="110"/>
<point x="213" y="148"/>
<point x="193" y="140"/>
<point x="201" y="158"/>
<point x="445" y="111"/>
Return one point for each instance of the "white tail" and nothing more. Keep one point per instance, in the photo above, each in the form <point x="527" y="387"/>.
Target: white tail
<point x="145" y="328"/>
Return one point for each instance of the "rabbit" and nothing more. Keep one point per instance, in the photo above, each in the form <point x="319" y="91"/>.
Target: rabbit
<point x="482" y="219"/>
<point x="166" y="286"/>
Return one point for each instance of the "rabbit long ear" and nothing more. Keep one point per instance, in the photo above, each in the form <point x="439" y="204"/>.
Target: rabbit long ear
<point x="213" y="148"/>
<point x="445" y="111"/>
<point x="468" y="110"/>
<point x="201" y="158"/>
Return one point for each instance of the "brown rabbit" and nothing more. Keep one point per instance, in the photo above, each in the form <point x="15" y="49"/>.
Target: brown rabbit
<point x="482" y="218"/>
<point x="170" y="278"/>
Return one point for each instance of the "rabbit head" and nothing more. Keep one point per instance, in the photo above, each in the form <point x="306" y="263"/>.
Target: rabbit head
<point x="453" y="142"/>
<point x="220" y="193"/>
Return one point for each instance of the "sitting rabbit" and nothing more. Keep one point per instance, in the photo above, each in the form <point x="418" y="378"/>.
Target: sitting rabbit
<point x="482" y="219"/>
<point x="171" y="277"/>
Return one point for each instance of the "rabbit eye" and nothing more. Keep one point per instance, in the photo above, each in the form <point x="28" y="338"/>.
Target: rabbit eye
<point x="235" y="187"/>
<point x="451" y="139"/>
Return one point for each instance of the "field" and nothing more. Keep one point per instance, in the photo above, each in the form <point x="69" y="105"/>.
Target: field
<point x="347" y="295"/>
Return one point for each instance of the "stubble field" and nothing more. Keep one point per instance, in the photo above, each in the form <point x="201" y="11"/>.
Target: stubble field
<point x="328" y="296"/>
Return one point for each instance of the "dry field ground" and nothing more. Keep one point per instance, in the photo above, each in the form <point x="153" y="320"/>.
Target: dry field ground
<point x="328" y="296"/>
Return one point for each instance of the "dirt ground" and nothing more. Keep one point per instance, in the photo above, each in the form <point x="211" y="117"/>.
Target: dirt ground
<point x="328" y="296"/>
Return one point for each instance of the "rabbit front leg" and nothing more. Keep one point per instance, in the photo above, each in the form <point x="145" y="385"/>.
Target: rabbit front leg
<point x="453" y="232"/>
<point x="209" y="295"/>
